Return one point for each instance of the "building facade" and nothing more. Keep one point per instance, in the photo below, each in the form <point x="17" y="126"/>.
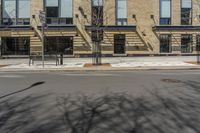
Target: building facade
<point x="128" y="27"/>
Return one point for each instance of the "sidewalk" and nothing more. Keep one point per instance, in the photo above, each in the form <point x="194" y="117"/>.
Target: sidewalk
<point x="116" y="63"/>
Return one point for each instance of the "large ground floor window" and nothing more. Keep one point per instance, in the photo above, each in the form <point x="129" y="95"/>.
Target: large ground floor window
<point x="198" y="43"/>
<point x="165" y="44"/>
<point x="59" y="45"/>
<point x="15" y="46"/>
<point x="186" y="43"/>
<point x="119" y="44"/>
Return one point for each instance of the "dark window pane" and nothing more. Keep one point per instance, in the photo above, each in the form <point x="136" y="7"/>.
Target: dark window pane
<point x="119" y="43"/>
<point x="165" y="44"/>
<point x="52" y="12"/>
<point x="165" y="21"/>
<point x="97" y="36"/>
<point x="15" y="46"/>
<point x="186" y="18"/>
<point x="97" y="15"/>
<point x="198" y="43"/>
<point x="186" y="44"/>
<point x="58" y="45"/>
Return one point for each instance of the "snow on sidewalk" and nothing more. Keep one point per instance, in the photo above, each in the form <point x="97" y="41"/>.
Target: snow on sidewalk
<point x="133" y="64"/>
<point x="152" y="64"/>
<point x="47" y="66"/>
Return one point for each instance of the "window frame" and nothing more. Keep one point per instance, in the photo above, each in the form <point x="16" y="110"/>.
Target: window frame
<point x="169" y="40"/>
<point x="123" y="21"/>
<point x="116" y="39"/>
<point x="160" y="12"/>
<point x="191" y="44"/>
<point x="69" y="20"/>
<point x="17" y="20"/>
<point x="191" y="18"/>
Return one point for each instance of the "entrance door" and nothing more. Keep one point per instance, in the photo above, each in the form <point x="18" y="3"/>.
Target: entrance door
<point x="119" y="43"/>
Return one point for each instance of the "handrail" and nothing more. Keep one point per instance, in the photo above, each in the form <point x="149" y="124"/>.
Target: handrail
<point x="84" y="33"/>
<point x="145" y="41"/>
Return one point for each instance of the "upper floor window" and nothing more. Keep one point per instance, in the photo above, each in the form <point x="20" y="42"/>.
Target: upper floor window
<point x="16" y="12"/>
<point x="186" y="12"/>
<point x="97" y="12"/>
<point x="59" y="11"/>
<point x="165" y="12"/>
<point x="97" y="2"/>
<point x="121" y="12"/>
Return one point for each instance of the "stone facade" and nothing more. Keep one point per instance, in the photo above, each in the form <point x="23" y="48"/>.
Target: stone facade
<point x="141" y="32"/>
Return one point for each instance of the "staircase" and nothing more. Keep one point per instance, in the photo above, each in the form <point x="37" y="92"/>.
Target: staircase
<point x="36" y="40"/>
<point x="84" y="34"/>
<point x="144" y="38"/>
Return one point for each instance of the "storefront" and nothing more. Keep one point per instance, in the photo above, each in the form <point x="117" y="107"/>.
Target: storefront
<point x="15" y="46"/>
<point x="59" y="45"/>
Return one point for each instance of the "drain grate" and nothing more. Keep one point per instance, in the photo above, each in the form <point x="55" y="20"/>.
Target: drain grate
<point x="171" y="80"/>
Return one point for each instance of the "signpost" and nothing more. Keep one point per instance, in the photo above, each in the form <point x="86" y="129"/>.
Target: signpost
<point x="42" y="17"/>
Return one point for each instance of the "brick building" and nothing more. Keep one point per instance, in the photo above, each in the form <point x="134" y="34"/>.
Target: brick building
<point x="129" y="27"/>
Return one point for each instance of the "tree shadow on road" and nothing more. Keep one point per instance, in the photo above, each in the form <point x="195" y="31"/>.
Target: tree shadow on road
<point x="124" y="113"/>
<point x="159" y="112"/>
<point x="26" y="115"/>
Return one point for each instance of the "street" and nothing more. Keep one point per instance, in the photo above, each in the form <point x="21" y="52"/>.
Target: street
<point x="41" y="92"/>
<point x="63" y="83"/>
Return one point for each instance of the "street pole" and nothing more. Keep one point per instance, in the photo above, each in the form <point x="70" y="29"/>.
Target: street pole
<point x="43" y="44"/>
<point x="42" y="17"/>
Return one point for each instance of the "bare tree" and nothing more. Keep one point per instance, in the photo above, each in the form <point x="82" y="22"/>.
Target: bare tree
<point x="99" y="19"/>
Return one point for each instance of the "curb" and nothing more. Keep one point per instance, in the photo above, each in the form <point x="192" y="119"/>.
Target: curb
<point x="100" y="69"/>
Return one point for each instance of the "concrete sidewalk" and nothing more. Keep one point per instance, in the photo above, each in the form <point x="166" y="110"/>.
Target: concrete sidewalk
<point x="116" y="63"/>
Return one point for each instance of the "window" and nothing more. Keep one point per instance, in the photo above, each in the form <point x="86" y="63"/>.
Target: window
<point x="58" y="45"/>
<point x="121" y="12"/>
<point x="16" y="12"/>
<point x="165" y="44"/>
<point x="198" y="43"/>
<point x="186" y="12"/>
<point x="97" y="20"/>
<point x="165" y="12"/>
<point x="97" y="2"/>
<point x="97" y="12"/>
<point x="59" y="12"/>
<point x="186" y="44"/>
<point x="119" y="43"/>
<point x="15" y="45"/>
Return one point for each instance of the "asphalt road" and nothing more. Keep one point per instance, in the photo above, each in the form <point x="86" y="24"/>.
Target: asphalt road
<point x="93" y="82"/>
<point x="42" y="91"/>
